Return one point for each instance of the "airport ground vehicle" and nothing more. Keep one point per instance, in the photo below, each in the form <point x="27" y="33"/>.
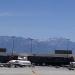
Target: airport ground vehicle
<point x="19" y="63"/>
<point x="72" y="64"/>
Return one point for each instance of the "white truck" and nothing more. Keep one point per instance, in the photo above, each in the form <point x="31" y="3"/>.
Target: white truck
<point x="72" y="64"/>
<point x="19" y="63"/>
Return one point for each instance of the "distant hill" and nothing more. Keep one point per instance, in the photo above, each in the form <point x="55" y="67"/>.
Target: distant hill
<point x="24" y="44"/>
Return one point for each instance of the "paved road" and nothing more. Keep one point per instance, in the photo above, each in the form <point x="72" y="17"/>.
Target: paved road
<point x="36" y="71"/>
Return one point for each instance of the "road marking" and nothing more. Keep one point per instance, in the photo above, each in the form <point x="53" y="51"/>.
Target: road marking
<point x="34" y="73"/>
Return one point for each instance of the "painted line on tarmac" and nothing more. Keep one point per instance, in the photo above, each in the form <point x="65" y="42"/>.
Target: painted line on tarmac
<point x="34" y="73"/>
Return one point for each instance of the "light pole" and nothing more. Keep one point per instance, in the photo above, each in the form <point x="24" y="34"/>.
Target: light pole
<point x="13" y="45"/>
<point x="31" y="50"/>
<point x="68" y="47"/>
<point x="31" y="46"/>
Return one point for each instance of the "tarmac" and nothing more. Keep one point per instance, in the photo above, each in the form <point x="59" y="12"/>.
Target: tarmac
<point x="37" y="70"/>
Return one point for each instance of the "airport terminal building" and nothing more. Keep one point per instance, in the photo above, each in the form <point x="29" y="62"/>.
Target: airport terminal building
<point x="60" y="57"/>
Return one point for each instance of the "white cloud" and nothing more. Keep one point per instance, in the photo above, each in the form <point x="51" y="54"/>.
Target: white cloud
<point x="6" y="14"/>
<point x="14" y="14"/>
<point x="22" y="14"/>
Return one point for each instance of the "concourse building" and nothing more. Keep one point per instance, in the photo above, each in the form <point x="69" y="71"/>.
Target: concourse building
<point x="60" y="57"/>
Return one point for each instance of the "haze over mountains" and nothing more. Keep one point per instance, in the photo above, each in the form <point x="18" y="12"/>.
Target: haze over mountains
<point x="20" y="44"/>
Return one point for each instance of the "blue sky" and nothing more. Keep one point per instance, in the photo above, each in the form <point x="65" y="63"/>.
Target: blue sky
<point x="39" y="19"/>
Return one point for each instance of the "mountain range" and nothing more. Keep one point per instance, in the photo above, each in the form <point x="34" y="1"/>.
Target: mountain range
<point x="20" y="44"/>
